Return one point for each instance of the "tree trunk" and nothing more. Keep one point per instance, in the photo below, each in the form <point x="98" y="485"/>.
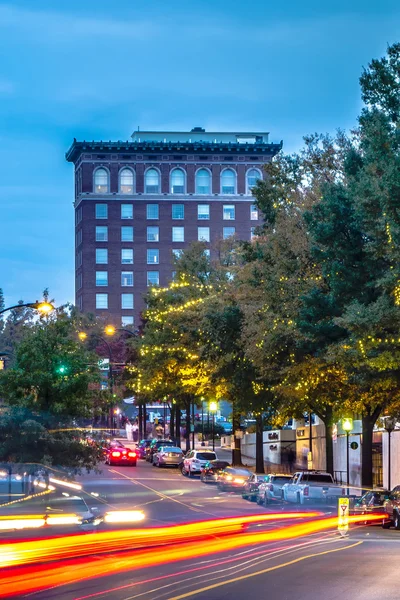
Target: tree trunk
<point x="144" y="420"/>
<point x="187" y="427"/>
<point x="368" y="423"/>
<point x="171" y="421"/>
<point x="140" y="419"/>
<point x="236" y="451"/>
<point x="178" y="426"/>
<point x="329" y="446"/>
<point x="259" y="445"/>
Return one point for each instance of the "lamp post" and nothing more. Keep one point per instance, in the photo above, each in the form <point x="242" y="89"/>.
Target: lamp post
<point x="165" y="399"/>
<point x="390" y="424"/>
<point x="42" y="307"/>
<point x="202" y="421"/>
<point x="213" y="407"/>
<point x="347" y="425"/>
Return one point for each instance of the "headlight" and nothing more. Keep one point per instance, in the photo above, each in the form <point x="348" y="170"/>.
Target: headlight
<point x="238" y="480"/>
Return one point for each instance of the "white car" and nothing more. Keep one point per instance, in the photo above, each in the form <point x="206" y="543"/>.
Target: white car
<point x="195" y="460"/>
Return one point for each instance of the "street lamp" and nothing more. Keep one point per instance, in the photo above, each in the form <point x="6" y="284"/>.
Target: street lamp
<point x="390" y="425"/>
<point x="111" y="330"/>
<point x="347" y="426"/>
<point x="213" y="407"/>
<point x="42" y="307"/>
<point x="202" y="421"/>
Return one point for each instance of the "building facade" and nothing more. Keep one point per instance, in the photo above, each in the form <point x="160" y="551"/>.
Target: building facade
<point x="139" y="203"/>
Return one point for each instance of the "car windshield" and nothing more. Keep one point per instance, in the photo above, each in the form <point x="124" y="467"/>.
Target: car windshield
<point x="317" y="478"/>
<point x="170" y="449"/>
<point x="205" y="455"/>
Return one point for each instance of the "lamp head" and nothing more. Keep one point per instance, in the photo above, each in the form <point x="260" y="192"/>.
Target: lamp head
<point x="347" y="425"/>
<point x="44" y="307"/>
<point x="213" y="406"/>
<point x="82" y="335"/>
<point x="109" y="329"/>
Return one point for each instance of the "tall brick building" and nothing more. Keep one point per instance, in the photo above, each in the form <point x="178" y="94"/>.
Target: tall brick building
<point x="138" y="203"/>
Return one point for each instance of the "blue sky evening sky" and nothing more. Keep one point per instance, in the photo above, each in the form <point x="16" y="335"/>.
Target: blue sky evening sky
<point x="96" y="69"/>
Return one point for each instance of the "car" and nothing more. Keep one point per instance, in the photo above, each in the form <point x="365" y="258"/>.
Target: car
<point x="211" y="470"/>
<point x="233" y="479"/>
<point x="373" y="501"/>
<point x="120" y="455"/>
<point x="195" y="460"/>
<point x="250" y="489"/>
<point x="142" y="448"/>
<point x="68" y="507"/>
<point x="155" y="446"/>
<point x="391" y="508"/>
<point x="167" y="456"/>
<point x="271" y="489"/>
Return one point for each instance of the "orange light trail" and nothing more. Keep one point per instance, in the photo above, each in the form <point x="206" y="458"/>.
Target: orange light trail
<point x="37" y="577"/>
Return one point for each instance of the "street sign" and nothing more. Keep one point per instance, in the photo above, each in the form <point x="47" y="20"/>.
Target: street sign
<point x="354" y="445"/>
<point x="343" y="515"/>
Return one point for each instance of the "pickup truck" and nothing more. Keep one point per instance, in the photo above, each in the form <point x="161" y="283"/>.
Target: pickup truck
<point x="311" y="486"/>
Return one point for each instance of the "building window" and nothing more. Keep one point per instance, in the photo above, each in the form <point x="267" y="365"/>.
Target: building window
<point x="203" y="212"/>
<point x="152" y="181"/>
<point x="153" y="256"/>
<point x="127" y="301"/>
<point x="203" y="234"/>
<point x="252" y="176"/>
<point x="177" y="253"/>
<point x="126" y="234"/>
<point x="101" y="256"/>
<point x="78" y="215"/>
<point x="126" y="279"/>
<point x="178" y="234"/>
<point x="101" y="278"/>
<point x="177" y="181"/>
<point x="78" y="237"/>
<point x="228" y="182"/>
<point x="253" y="213"/>
<point x="126" y="211"/>
<point x="79" y="258"/>
<point x="101" y="234"/>
<point x="101" y="301"/>
<point x="178" y="211"/>
<point x="126" y="321"/>
<point x="228" y="212"/>
<point x="153" y="234"/>
<point x="126" y="181"/>
<point x="101" y="181"/>
<point x="101" y="211"/>
<point x="228" y="232"/>
<point x="79" y="281"/>
<point x="253" y="234"/>
<point x="203" y="182"/>
<point x="152" y="211"/>
<point x="153" y="278"/>
<point x="127" y="256"/>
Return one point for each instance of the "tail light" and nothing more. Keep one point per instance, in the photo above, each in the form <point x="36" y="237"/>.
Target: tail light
<point x="115" y="454"/>
<point x="305" y="491"/>
<point x="132" y="454"/>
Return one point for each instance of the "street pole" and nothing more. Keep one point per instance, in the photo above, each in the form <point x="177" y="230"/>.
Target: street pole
<point x="310" y="417"/>
<point x="390" y="462"/>
<point x="165" y="418"/>
<point x="193" y="424"/>
<point x="202" y="423"/>
<point x="9" y="482"/>
<point x="213" y="437"/>
<point x="348" y="463"/>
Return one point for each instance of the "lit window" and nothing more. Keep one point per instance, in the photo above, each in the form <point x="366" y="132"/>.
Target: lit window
<point x="228" y="231"/>
<point x="228" y="212"/>
<point x="126" y="211"/>
<point x="153" y="278"/>
<point x="152" y="211"/>
<point x="253" y="213"/>
<point x="203" y="234"/>
<point x="101" y="234"/>
<point x="178" y="234"/>
<point x="126" y="234"/>
<point x="203" y="212"/>
<point x="101" y="301"/>
<point x="126" y="279"/>
<point x="252" y="176"/>
<point x="177" y="182"/>
<point x="126" y="321"/>
<point x="178" y="211"/>
<point x="177" y="253"/>
<point x="101" y="181"/>
<point x="101" y="278"/>
<point x="127" y="301"/>
<point x="203" y="181"/>
<point x="127" y="256"/>
<point x="153" y="256"/>
<point x="101" y="211"/>
<point x="153" y="234"/>
<point x="228" y="182"/>
<point x="152" y="181"/>
<point x="101" y="256"/>
<point x="126" y="181"/>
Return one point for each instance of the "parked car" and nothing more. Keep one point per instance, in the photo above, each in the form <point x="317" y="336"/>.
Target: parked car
<point x="167" y="456"/>
<point x="210" y="472"/>
<point x="251" y="486"/>
<point x="373" y="501"/>
<point x="233" y="479"/>
<point x="311" y="486"/>
<point x="155" y="446"/>
<point x="391" y="508"/>
<point x="271" y="489"/>
<point x="142" y="448"/>
<point x="195" y="460"/>
<point x="120" y="455"/>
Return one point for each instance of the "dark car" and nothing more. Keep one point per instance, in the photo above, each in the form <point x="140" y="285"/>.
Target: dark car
<point x="212" y="469"/>
<point x="142" y="448"/>
<point x="391" y="508"/>
<point x="232" y="479"/>
<point x="118" y="454"/>
<point x="373" y="501"/>
<point x="250" y="489"/>
<point x="155" y="446"/>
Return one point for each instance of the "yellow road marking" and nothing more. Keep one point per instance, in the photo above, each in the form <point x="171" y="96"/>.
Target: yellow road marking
<point x="262" y="572"/>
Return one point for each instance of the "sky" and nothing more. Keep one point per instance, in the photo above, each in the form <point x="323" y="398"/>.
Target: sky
<point x="97" y="70"/>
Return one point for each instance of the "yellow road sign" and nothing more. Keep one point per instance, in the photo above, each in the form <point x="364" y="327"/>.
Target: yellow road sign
<point x="343" y="515"/>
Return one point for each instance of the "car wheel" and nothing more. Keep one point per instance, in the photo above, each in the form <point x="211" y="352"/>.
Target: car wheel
<point x="252" y="498"/>
<point x="396" y="520"/>
<point x="134" y="464"/>
<point x="385" y="524"/>
<point x="245" y="497"/>
<point x="221" y="487"/>
<point x="266" y="500"/>
<point x="189" y="472"/>
<point x="154" y="464"/>
<point x="183" y="471"/>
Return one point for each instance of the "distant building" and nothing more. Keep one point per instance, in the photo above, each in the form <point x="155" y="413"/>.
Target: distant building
<point x="139" y="203"/>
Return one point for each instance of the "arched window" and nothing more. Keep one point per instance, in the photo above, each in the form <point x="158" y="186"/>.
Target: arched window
<point x="152" y="179"/>
<point x="177" y="181"/>
<point x="228" y="182"/>
<point x="253" y="175"/>
<point x="126" y="181"/>
<point x="203" y="180"/>
<point x="101" y="181"/>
